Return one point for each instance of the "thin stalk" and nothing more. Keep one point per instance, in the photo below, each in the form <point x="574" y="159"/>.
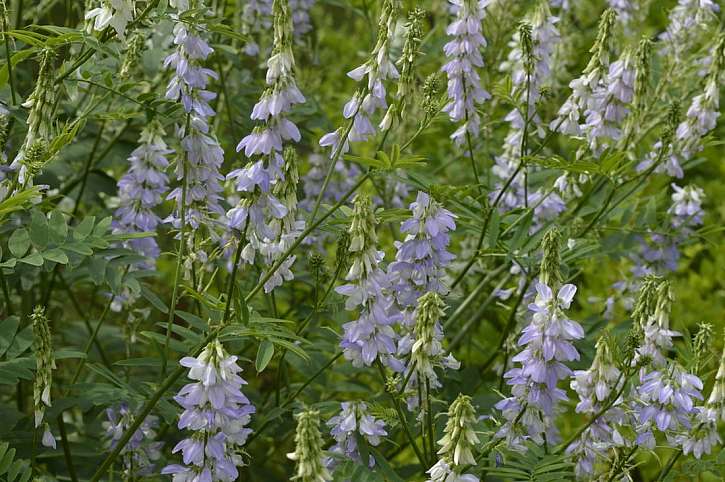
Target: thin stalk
<point x="89" y="343"/>
<point x="180" y="255"/>
<point x="333" y="159"/>
<point x="292" y="397"/>
<point x="431" y="437"/>
<point x="460" y="336"/>
<point x="11" y="78"/>
<point x="469" y="143"/>
<point x="66" y="449"/>
<point x="476" y="291"/>
<point x="671" y="463"/>
<point x="401" y="417"/>
<point x="6" y="294"/>
<point x="486" y="220"/>
<point x="86" y="321"/>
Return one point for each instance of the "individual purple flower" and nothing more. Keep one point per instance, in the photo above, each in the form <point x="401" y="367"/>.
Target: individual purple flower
<point x="142" y="451"/>
<point x="371" y="98"/>
<point x="549" y="343"/>
<point x="371" y="336"/>
<point x="141" y="190"/>
<point x="464" y="54"/>
<point x="353" y="421"/>
<point x="216" y="412"/>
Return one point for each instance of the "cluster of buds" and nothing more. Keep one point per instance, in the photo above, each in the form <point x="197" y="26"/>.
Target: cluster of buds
<point x="44" y="366"/>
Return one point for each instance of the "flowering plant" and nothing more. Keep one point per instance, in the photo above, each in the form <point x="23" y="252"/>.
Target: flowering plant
<point x="270" y="240"/>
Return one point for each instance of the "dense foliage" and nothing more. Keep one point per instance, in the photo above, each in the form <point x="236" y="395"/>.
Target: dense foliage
<point x="452" y="241"/>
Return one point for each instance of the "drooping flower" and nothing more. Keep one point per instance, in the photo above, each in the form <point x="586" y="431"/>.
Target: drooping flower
<point x="370" y="98"/>
<point x="141" y="190"/>
<point x="353" y="421"/>
<point x="457" y="445"/>
<point x="44" y="366"/>
<point x="142" y="451"/>
<point x="308" y="454"/>
<point x="114" y="13"/>
<point x="216" y="412"/>
<point x="371" y="335"/>
<point x="716" y="401"/>
<point x="464" y="53"/>
<point x="596" y="384"/>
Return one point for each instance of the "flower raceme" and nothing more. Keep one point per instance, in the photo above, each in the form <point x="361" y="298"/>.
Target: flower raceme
<point x="464" y="54"/>
<point x="548" y="341"/>
<point x="216" y="412"/>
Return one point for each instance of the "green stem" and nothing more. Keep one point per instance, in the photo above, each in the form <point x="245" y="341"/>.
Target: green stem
<point x="66" y="449"/>
<point x="669" y="465"/>
<point x="179" y="256"/>
<point x="333" y="159"/>
<point x="401" y="417"/>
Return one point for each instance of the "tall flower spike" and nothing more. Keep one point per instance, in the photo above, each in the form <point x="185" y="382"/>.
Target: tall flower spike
<point x="308" y="454"/>
<point x="457" y="445"/>
<point x="353" y="421"/>
<point x="594" y="386"/>
<point x="549" y="343"/>
<point x="270" y="224"/>
<point x="688" y="21"/>
<point x="41" y="123"/>
<point x="704" y="435"/>
<point x="202" y="155"/>
<point x="584" y="86"/>
<point x="216" y="413"/>
<point x="44" y="366"/>
<point x="371" y="336"/>
<point x="464" y="54"/>
<point x="529" y="64"/>
<point x="425" y="346"/>
<point x="371" y="98"/>
<point x="701" y="118"/>
<point x="406" y="62"/>
<point x="141" y="189"/>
